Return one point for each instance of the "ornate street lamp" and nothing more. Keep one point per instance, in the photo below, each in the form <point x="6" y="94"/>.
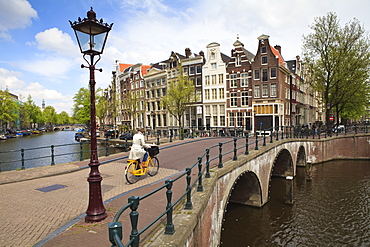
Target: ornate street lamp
<point x="91" y="35"/>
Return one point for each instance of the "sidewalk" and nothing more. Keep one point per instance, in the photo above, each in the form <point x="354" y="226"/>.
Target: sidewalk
<point x="45" y="206"/>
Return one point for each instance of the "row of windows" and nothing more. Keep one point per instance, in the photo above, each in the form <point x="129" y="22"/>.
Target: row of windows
<point x="257" y="74"/>
<point x="215" y="79"/>
<point x="243" y="80"/>
<point x="156" y="93"/>
<point x="192" y="70"/>
<point x="157" y="82"/>
<point x="244" y="99"/>
<point x="237" y="118"/>
<point x="214" y="110"/>
<point x="265" y="90"/>
<point x="212" y="94"/>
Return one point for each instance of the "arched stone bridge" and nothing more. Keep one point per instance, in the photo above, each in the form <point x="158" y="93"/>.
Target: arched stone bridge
<point x="247" y="180"/>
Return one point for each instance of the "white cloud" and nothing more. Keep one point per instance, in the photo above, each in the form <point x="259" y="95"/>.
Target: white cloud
<point x="55" y="40"/>
<point x="9" y="79"/>
<point x="15" y="14"/>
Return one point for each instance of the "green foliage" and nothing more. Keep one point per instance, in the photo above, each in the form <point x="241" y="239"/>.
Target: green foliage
<point x="81" y="106"/>
<point x="180" y="93"/>
<point x="338" y="62"/>
<point x="131" y="105"/>
<point x="9" y="108"/>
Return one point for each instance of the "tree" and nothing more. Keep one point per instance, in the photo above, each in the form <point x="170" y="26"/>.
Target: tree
<point x="180" y="93"/>
<point x="9" y="109"/>
<point x="50" y="115"/>
<point x="30" y="113"/>
<point x="131" y="105"/>
<point x="338" y="61"/>
<point x="81" y="106"/>
<point x="63" y="118"/>
<point x="101" y="106"/>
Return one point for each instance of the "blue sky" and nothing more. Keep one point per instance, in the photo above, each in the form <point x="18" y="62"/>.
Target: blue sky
<point x="39" y="55"/>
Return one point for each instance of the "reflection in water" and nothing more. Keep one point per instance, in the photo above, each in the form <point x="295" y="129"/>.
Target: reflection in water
<point x="331" y="210"/>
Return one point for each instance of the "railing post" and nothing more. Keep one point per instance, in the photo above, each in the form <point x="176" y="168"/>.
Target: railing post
<point x="208" y="175"/>
<point x="271" y="135"/>
<point x="22" y="155"/>
<point x="52" y="155"/>
<point x="256" y="148"/>
<point x="106" y="147"/>
<point x="264" y="137"/>
<point x="246" y="145"/>
<point x="81" y="152"/>
<point x="235" y="153"/>
<point x="277" y="133"/>
<point x="115" y="228"/>
<point x="282" y="133"/>
<point x="158" y="134"/>
<point x="170" y="228"/>
<point x="171" y="133"/>
<point x="188" y="204"/>
<point x="200" y="184"/>
<point x="134" y="218"/>
<point x="220" y="165"/>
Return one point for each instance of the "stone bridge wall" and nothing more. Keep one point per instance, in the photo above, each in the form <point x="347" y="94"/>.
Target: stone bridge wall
<point x="201" y="226"/>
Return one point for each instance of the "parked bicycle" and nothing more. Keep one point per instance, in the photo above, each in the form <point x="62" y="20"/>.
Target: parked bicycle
<point x="134" y="170"/>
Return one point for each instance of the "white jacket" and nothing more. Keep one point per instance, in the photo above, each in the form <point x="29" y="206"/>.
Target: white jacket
<point x="137" y="149"/>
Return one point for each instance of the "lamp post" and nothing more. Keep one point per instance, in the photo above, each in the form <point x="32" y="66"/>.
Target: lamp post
<point x="92" y="35"/>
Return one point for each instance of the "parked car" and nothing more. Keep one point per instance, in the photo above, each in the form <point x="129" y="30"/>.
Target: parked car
<point x="339" y="128"/>
<point x="111" y="134"/>
<point x="126" y="136"/>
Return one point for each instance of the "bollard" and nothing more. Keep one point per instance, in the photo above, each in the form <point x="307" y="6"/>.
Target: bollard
<point x="289" y="190"/>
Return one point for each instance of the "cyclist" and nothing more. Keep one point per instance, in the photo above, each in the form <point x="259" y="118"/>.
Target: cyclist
<point x="138" y="144"/>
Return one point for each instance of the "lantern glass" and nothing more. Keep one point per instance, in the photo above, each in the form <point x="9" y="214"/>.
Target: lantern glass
<point x="91" y="37"/>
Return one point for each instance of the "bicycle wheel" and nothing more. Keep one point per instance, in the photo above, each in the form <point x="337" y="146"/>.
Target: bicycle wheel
<point x="153" y="166"/>
<point x="129" y="173"/>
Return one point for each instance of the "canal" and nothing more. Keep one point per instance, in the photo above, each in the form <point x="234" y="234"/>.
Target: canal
<point x="66" y="150"/>
<point x="331" y="210"/>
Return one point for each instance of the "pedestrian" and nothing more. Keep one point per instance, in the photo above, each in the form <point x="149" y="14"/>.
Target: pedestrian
<point x="138" y="144"/>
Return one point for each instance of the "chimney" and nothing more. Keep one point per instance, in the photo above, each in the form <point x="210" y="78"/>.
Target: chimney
<point x="278" y="47"/>
<point x="187" y="52"/>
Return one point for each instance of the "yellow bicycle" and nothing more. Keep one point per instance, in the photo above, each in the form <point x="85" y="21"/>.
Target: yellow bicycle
<point x="134" y="170"/>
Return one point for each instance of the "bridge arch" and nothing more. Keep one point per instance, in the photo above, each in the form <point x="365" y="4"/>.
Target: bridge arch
<point x="301" y="156"/>
<point x="246" y="190"/>
<point x="283" y="164"/>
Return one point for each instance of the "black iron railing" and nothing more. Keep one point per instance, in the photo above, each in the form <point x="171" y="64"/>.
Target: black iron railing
<point x="49" y="154"/>
<point x="234" y="147"/>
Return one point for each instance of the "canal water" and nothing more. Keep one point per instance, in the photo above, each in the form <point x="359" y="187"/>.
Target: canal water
<point x="38" y="150"/>
<point x="331" y="210"/>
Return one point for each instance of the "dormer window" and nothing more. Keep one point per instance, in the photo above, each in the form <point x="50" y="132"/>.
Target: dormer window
<point x="238" y="61"/>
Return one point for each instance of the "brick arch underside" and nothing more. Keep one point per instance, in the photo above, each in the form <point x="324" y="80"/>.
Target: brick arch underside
<point x="301" y="156"/>
<point x="247" y="190"/>
<point x="283" y="164"/>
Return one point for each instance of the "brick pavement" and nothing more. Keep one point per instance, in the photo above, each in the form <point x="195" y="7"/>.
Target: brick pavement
<point x="55" y="217"/>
